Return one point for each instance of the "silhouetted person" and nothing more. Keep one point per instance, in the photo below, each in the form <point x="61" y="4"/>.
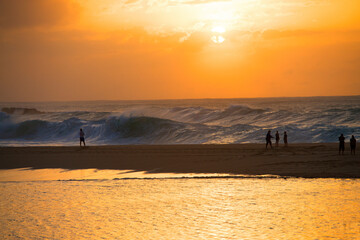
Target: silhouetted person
<point x="285" y="139"/>
<point x="352" y="144"/>
<point x="277" y="138"/>
<point x="82" y="137"/>
<point x="268" y="139"/>
<point x="341" y="144"/>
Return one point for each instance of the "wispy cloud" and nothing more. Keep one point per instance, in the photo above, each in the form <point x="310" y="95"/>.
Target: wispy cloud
<point x="194" y="2"/>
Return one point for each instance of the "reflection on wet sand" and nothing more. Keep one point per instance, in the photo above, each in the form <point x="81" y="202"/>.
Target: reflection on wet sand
<point x="181" y="209"/>
<point x="28" y="174"/>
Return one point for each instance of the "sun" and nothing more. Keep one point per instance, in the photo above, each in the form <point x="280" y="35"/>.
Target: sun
<point x="217" y="34"/>
<point x="218" y="39"/>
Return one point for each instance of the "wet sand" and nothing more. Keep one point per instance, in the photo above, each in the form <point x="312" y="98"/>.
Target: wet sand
<point x="297" y="160"/>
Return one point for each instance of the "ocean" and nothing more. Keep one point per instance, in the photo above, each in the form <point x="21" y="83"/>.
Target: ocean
<point x="199" y="121"/>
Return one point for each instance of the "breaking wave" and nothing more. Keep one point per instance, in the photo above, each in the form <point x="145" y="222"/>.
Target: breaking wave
<point x="159" y="124"/>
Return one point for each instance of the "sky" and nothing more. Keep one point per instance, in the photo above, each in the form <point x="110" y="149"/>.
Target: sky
<point x="66" y="50"/>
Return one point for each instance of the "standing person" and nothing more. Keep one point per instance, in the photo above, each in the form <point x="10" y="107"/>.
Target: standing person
<point x="268" y="139"/>
<point x="285" y="139"/>
<point x="352" y="144"/>
<point x="341" y="144"/>
<point x="82" y="137"/>
<point x="277" y="138"/>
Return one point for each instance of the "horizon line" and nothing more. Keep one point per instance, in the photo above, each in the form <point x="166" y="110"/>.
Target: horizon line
<point x="178" y="99"/>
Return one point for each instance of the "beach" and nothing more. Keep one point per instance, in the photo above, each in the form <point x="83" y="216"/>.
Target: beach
<point x="193" y="191"/>
<point x="316" y="160"/>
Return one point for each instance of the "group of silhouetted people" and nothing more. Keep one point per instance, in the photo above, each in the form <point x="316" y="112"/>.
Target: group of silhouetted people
<point x="277" y="139"/>
<point x="342" y="144"/>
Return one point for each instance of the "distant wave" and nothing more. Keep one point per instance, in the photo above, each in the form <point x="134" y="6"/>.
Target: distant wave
<point x="178" y="125"/>
<point x="14" y="110"/>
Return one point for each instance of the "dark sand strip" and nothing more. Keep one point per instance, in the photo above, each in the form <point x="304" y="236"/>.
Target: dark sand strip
<point x="298" y="160"/>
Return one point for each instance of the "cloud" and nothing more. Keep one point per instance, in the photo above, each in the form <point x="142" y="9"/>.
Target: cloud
<point x="36" y="13"/>
<point x="200" y="1"/>
<point x="274" y="34"/>
<point x="348" y="35"/>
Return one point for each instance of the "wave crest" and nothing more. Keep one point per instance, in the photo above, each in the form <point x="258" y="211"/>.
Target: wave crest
<point x="21" y="111"/>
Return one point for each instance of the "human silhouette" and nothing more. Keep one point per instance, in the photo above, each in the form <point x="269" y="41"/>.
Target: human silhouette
<point x="82" y="137"/>
<point x="352" y="144"/>
<point x="341" y="144"/>
<point x="268" y="139"/>
<point x="285" y="139"/>
<point x="277" y="138"/>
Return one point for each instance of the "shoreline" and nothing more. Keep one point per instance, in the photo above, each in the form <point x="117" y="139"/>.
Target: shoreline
<point x="306" y="160"/>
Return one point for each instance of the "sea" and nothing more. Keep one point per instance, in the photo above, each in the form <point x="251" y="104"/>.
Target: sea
<point x="98" y="204"/>
<point x="191" y="121"/>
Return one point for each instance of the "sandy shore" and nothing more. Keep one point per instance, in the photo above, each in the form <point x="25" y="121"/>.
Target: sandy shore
<point x="298" y="160"/>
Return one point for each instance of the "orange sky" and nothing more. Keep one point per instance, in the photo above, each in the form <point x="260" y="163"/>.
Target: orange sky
<point x="157" y="49"/>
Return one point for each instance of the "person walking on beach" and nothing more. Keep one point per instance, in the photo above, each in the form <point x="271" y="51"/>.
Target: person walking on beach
<point x="285" y="139"/>
<point x="82" y="137"/>
<point x="352" y="144"/>
<point x="268" y="139"/>
<point x="277" y="138"/>
<point x="341" y="144"/>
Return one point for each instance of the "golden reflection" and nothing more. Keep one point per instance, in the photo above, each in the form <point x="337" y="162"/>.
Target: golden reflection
<point x="182" y="209"/>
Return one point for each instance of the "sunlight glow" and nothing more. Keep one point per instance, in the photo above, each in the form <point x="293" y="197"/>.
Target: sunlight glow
<point x="218" y="29"/>
<point x="178" y="49"/>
